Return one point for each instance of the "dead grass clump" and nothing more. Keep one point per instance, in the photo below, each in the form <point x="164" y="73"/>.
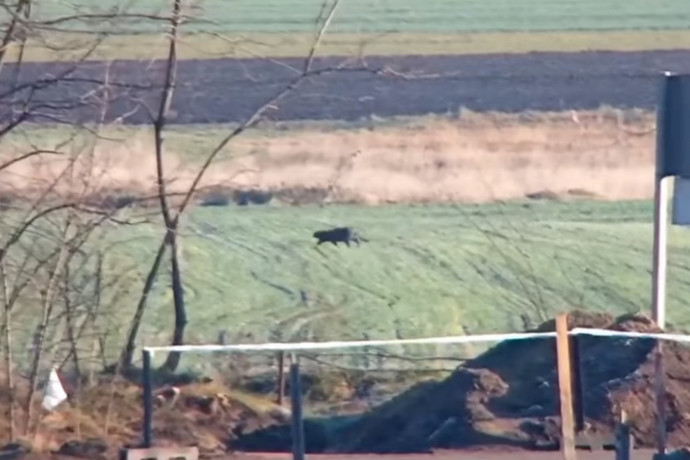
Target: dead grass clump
<point x="115" y="171"/>
<point x="475" y="158"/>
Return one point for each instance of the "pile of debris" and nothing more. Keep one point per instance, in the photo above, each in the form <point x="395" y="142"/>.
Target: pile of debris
<point x="99" y="421"/>
<point x="508" y="396"/>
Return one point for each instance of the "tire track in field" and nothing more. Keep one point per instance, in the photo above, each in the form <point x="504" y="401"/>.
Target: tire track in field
<point x="210" y="232"/>
<point x="346" y="280"/>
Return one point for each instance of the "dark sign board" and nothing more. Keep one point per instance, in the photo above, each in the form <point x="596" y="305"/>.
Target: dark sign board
<point x="673" y="127"/>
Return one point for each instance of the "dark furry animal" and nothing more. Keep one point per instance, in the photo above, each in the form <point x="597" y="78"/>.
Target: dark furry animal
<point x="338" y="235"/>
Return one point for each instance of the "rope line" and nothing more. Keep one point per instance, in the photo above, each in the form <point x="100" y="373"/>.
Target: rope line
<point x="301" y="346"/>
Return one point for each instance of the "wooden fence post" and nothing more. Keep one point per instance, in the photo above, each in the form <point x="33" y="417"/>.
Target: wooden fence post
<point x="565" y="380"/>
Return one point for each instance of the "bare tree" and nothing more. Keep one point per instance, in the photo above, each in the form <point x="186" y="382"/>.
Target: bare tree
<point x="7" y="354"/>
<point x="172" y="221"/>
<point x="53" y="233"/>
<point x="170" y="224"/>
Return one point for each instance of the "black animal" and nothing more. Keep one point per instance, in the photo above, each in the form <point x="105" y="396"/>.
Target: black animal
<point x="338" y="235"/>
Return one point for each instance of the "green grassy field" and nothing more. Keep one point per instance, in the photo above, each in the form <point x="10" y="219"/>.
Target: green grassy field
<point x="244" y="28"/>
<point x="427" y="271"/>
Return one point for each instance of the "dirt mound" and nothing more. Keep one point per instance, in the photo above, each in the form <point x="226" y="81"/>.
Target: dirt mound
<point x="509" y="395"/>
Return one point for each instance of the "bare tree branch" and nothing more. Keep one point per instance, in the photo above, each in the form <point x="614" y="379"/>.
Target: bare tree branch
<point x="10" y="32"/>
<point x="26" y="156"/>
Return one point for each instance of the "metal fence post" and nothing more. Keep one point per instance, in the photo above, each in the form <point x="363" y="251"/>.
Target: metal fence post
<point x="147" y="398"/>
<point x="281" y="378"/>
<point x="623" y="439"/>
<point x="297" y="417"/>
<point x="577" y="386"/>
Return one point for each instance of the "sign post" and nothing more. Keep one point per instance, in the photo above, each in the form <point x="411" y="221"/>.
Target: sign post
<point x="672" y="160"/>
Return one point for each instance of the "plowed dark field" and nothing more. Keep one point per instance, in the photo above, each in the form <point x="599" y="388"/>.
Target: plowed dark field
<point x="229" y="90"/>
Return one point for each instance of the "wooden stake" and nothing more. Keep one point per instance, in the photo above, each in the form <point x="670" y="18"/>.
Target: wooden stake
<point x="565" y="387"/>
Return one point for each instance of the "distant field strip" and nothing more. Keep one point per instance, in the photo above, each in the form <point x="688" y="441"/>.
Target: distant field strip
<point x="414" y="15"/>
<point x="279" y="28"/>
<point x="606" y="154"/>
<point x="201" y="45"/>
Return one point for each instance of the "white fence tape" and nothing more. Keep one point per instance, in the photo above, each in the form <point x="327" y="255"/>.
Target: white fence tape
<point x="301" y="346"/>
<point x="631" y="335"/>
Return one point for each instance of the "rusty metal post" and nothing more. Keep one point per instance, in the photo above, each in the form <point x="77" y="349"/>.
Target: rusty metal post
<point x="565" y="380"/>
